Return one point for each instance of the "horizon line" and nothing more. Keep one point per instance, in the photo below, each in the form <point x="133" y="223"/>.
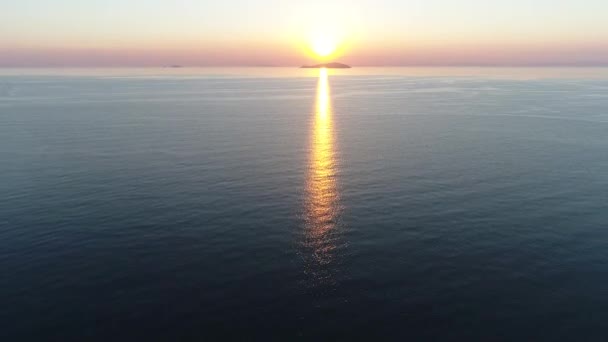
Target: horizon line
<point x="184" y="66"/>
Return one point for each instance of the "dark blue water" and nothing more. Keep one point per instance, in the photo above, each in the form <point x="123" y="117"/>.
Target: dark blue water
<point x="342" y="207"/>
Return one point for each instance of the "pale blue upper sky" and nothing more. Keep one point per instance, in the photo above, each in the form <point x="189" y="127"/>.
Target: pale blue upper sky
<point x="378" y="31"/>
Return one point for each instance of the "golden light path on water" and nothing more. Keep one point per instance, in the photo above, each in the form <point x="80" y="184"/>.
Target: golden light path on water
<point x="322" y="197"/>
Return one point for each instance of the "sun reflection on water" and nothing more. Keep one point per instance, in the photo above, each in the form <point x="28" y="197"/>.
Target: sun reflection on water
<point x="322" y="198"/>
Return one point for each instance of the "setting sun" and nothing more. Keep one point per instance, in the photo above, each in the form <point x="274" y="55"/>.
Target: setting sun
<point x="324" y="46"/>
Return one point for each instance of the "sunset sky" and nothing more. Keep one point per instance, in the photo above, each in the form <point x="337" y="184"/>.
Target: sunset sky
<point x="279" y="32"/>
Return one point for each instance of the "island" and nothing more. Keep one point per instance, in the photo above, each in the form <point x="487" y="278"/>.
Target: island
<point x="333" y="65"/>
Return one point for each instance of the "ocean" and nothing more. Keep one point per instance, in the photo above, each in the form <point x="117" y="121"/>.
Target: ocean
<point x="449" y="204"/>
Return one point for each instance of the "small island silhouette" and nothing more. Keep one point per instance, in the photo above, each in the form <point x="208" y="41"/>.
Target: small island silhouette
<point x="333" y="65"/>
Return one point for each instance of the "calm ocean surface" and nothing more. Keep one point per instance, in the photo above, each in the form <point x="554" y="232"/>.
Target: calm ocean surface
<point x="446" y="204"/>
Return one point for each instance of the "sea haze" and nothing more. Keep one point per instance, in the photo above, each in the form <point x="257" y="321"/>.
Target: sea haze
<point x="449" y="204"/>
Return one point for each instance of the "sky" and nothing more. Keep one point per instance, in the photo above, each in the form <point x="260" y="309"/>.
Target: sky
<point x="284" y="32"/>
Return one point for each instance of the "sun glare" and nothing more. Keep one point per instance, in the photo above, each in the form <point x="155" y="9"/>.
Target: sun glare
<point x="324" y="46"/>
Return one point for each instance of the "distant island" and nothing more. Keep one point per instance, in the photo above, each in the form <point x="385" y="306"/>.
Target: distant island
<point x="327" y="65"/>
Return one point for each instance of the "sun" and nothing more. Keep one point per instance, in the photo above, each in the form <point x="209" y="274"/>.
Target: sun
<point x="325" y="41"/>
<point x="324" y="46"/>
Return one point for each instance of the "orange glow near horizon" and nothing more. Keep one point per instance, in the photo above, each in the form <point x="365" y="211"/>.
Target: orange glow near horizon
<point x="361" y="33"/>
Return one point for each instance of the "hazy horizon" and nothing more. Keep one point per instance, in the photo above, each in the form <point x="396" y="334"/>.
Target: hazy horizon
<point x="275" y="33"/>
